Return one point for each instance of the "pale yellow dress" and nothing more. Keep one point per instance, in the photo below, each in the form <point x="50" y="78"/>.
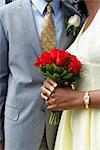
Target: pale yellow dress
<point x="79" y="129"/>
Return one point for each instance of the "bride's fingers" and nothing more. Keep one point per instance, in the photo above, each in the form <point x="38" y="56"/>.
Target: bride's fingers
<point x="55" y="106"/>
<point x="52" y="107"/>
<point x="51" y="101"/>
<point x="45" y="91"/>
<point x="56" y="102"/>
<point x="44" y="97"/>
<point x="52" y="82"/>
<point x="49" y="86"/>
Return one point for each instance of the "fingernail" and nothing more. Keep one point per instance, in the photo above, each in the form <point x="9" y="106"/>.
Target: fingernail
<point x="52" y="88"/>
<point x="55" y="84"/>
<point x="46" y="98"/>
<point x="49" y="93"/>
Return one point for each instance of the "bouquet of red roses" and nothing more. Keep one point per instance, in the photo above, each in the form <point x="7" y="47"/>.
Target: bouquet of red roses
<point x="60" y="66"/>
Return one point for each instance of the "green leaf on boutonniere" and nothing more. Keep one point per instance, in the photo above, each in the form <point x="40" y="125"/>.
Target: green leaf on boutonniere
<point x="72" y="24"/>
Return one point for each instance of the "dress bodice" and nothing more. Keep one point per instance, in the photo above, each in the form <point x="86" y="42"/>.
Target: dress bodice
<point x="87" y="49"/>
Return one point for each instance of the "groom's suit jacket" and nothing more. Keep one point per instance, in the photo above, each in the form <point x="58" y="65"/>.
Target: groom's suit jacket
<point x="22" y="112"/>
<point x="2" y="3"/>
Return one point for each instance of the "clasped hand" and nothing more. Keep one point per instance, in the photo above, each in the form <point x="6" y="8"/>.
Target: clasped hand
<point x="61" y="98"/>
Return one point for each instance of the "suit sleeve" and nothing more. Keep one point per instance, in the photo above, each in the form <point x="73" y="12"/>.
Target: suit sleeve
<point x="3" y="77"/>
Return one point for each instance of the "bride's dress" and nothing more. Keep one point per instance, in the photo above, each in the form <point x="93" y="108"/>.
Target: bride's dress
<point x="79" y="129"/>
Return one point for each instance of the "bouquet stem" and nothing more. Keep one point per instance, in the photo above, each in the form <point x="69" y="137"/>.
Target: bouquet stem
<point x="54" y="118"/>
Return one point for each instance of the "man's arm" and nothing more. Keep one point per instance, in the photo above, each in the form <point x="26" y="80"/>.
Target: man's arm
<point x="3" y="78"/>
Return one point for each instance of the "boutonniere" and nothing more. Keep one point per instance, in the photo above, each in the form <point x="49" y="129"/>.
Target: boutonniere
<point x="72" y="24"/>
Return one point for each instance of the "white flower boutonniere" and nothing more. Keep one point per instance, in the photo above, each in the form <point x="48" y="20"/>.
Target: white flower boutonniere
<point x="73" y="23"/>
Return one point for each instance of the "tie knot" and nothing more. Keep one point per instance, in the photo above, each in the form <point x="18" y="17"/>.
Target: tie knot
<point x="49" y="9"/>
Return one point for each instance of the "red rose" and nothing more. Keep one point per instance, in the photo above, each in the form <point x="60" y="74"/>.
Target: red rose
<point x="53" y="54"/>
<point x="38" y="62"/>
<point x="43" y="60"/>
<point x="74" y="65"/>
<point x="59" y="57"/>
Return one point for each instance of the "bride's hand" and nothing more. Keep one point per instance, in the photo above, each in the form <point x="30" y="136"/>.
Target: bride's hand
<point x="61" y="98"/>
<point x="48" y="88"/>
<point x="65" y="98"/>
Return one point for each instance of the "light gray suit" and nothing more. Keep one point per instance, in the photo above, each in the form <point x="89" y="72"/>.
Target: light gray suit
<point x="20" y="81"/>
<point x="2" y="3"/>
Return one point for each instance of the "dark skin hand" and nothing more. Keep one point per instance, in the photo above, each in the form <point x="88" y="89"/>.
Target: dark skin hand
<point x="61" y="98"/>
<point x="66" y="98"/>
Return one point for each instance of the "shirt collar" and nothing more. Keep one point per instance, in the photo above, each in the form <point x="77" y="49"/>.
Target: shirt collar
<point x="41" y="5"/>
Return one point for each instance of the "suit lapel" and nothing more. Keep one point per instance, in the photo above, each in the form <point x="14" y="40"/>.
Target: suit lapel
<point x="63" y="37"/>
<point x="66" y="41"/>
<point x="29" y="25"/>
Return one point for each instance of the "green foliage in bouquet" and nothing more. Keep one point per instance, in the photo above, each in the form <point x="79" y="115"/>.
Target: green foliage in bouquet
<point x="58" y="74"/>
